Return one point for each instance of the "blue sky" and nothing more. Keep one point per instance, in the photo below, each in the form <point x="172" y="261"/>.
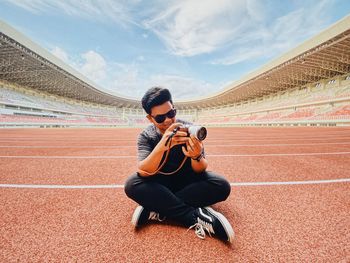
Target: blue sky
<point x="193" y="47"/>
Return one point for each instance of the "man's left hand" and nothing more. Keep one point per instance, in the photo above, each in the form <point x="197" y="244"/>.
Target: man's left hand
<point x="194" y="147"/>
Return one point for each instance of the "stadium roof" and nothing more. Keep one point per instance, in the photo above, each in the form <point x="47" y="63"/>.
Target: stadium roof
<point x="323" y="56"/>
<point x="25" y="63"/>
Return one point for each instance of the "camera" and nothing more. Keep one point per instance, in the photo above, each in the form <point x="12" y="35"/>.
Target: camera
<point x="199" y="132"/>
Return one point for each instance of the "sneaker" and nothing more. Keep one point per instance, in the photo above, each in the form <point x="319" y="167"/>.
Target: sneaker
<point x="141" y="216"/>
<point x="214" y="223"/>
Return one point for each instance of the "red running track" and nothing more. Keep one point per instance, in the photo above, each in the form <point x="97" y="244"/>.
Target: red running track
<point x="278" y="222"/>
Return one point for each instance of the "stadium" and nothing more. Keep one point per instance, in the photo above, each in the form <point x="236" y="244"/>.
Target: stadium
<point x="279" y="134"/>
<point x="307" y="86"/>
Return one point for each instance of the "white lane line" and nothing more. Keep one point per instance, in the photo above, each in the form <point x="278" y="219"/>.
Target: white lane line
<point x="277" y="144"/>
<point x="134" y="156"/>
<point x="21" y="139"/>
<point x="280" y="139"/>
<point x="277" y="154"/>
<point x="66" y="157"/>
<point x="206" y="146"/>
<point x="55" y="186"/>
<point x="103" y="186"/>
<point x="342" y="180"/>
<point x="71" y="146"/>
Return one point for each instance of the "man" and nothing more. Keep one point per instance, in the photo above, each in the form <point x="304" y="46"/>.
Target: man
<point x="172" y="181"/>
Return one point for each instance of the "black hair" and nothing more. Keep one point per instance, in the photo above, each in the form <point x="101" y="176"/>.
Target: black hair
<point x="155" y="96"/>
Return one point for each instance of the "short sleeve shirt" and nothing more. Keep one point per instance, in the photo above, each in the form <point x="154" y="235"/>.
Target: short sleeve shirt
<point x="150" y="137"/>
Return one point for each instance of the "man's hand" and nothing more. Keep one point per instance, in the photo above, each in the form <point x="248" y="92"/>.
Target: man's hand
<point x="180" y="137"/>
<point x="194" y="147"/>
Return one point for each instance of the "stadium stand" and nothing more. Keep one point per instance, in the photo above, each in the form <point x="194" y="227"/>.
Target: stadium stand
<point x="32" y="108"/>
<point x="302" y="105"/>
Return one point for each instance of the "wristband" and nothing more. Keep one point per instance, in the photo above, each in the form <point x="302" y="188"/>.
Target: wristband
<point x="198" y="158"/>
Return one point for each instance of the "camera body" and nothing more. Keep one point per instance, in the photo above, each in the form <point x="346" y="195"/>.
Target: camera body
<point x="199" y="132"/>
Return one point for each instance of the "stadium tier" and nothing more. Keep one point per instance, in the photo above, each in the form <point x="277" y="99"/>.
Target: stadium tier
<point x="308" y="85"/>
<point x="26" y="107"/>
<point x="325" y="104"/>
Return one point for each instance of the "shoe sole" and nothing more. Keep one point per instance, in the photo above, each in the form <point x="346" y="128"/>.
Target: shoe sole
<point x="136" y="216"/>
<point x="224" y="222"/>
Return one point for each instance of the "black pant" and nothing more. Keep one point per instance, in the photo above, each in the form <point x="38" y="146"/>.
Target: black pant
<point x="177" y="196"/>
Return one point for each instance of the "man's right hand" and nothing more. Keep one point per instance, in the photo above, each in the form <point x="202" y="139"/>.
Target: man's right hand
<point x="180" y="137"/>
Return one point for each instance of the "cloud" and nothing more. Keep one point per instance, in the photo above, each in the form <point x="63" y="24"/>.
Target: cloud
<point x="128" y="81"/>
<point x="141" y="58"/>
<point x="102" y="10"/>
<point x="191" y="27"/>
<point x="60" y="53"/>
<point x="182" y="87"/>
<point x="120" y="78"/>
<point x="243" y="30"/>
<point x="91" y="64"/>
<point x="240" y="55"/>
<point x="270" y="40"/>
<point x="125" y="79"/>
<point x="255" y="9"/>
<point x="34" y="6"/>
<point x="94" y="66"/>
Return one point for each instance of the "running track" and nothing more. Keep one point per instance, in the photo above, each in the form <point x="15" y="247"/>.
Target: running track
<point x="62" y="198"/>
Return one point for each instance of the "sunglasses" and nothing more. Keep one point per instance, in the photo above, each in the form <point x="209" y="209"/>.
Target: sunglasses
<point x="161" y="118"/>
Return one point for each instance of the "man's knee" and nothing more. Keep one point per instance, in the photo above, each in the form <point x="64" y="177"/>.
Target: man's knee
<point x="223" y="186"/>
<point x="129" y="185"/>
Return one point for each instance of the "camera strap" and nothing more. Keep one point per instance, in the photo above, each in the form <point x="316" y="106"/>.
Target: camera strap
<point x="168" y="141"/>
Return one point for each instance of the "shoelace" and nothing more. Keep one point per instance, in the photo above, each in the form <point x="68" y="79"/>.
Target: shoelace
<point x="155" y="216"/>
<point x="200" y="227"/>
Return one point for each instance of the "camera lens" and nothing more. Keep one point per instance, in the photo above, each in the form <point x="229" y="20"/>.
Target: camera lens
<point x="201" y="133"/>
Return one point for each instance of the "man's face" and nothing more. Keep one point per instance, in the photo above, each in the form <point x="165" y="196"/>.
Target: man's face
<point x="160" y="110"/>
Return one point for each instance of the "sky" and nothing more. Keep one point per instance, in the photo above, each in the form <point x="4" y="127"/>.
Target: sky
<point x="194" y="48"/>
